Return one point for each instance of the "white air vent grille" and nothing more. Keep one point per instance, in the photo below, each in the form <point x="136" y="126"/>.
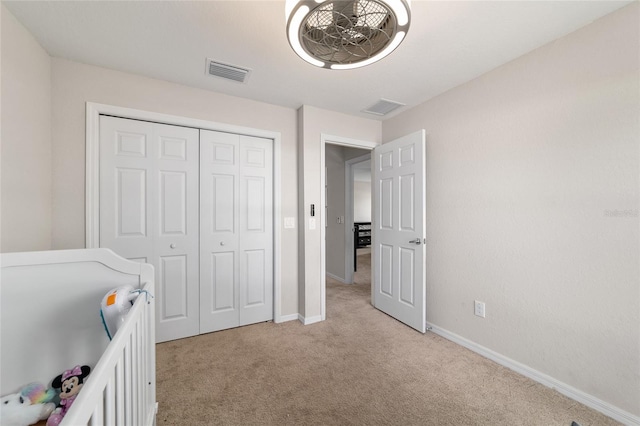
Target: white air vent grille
<point x="230" y="72"/>
<point x="383" y="107"/>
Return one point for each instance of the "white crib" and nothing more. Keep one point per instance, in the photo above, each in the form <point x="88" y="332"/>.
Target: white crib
<point x="50" y="322"/>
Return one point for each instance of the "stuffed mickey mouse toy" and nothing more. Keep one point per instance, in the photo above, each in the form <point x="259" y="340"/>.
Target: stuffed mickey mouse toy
<point x="69" y="384"/>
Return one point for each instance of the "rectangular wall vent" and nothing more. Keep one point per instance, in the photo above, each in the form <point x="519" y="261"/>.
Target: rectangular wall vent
<point x="383" y="107"/>
<point x="230" y="72"/>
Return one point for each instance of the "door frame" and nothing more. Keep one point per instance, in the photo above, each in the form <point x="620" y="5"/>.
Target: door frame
<point x="92" y="175"/>
<point x="342" y="141"/>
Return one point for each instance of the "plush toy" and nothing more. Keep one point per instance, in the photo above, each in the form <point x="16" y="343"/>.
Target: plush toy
<point x="115" y="305"/>
<point x="27" y="407"/>
<point x="70" y="382"/>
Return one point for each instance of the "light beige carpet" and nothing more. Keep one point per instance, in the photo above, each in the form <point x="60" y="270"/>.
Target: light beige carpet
<point x="359" y="367"/>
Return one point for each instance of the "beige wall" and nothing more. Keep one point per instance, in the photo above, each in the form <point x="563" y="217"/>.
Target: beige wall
<point x="26" y="140"/>
<point x="361" y="201"/>
<point x="314" y="122"/>
<point x="532" y="207"/>
<point x="334" y="232"/>
<point x="74" y="84"/>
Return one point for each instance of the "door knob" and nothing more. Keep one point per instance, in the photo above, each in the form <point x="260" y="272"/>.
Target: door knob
<point x="417" y="241"/>
<point x="172" y="245"/>
<point x="221" y="243"/>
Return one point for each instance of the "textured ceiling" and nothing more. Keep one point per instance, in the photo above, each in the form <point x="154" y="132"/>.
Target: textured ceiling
<point x="448" y="44"/>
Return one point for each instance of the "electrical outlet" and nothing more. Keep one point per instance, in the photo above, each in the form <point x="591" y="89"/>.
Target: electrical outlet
<point x="478" y="308"/>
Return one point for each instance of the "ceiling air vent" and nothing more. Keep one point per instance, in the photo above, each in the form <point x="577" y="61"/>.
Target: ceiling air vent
<point x="383" y="107"/>
<point x="230" y="72"/>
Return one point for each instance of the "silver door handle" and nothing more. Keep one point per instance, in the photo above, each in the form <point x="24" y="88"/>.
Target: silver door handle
<point x="417" y="241"/>
<point x="221" y="243"/>
<point x="172" y="246"/>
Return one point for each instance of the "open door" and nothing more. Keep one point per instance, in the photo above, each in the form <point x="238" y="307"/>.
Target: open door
<point x="399" y="222"/>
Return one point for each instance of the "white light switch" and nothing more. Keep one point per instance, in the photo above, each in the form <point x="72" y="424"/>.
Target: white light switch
<point x="289" y="222"/>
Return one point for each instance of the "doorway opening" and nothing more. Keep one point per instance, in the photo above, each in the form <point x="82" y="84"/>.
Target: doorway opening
<point x="398" y="228"/>
<point x="339" y="157"/>
<point x="358" y="207"/>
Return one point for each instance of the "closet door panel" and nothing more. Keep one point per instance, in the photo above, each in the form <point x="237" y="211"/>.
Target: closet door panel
<point x="219" y="297"/>
<point x="223" y="219"/>
<point x="131" y="203"/>
<point x="175" y="152"/>
<point x="149" y="212"/>
<point x="256" y="293"/>
<point x="222" y="277"/>
<point x="125" y="178"/>
<point x="173" y="283"/>
<point x="236" y="213"/>
<point x="173" y="203"/>
<point x="256" y="230"/>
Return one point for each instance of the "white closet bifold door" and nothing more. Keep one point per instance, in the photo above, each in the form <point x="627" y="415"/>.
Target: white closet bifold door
<point x="198" y="206"/>
<point x="236" y="222"/>
<point x="149" y="212"/>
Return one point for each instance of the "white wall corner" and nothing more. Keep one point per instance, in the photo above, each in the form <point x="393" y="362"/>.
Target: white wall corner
<point x="337" y="278"/>
<point x="310" y="320"/>
<point x="285" y="318"/>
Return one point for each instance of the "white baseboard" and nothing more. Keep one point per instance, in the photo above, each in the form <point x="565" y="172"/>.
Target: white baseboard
<point x="310" y="320"/>
<point x="565" y="389"/>
<point x="285" y="318"/>
<point x="336" y="278"/>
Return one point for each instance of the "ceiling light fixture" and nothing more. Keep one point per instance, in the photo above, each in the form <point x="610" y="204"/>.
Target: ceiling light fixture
<point x="339" y="34"/>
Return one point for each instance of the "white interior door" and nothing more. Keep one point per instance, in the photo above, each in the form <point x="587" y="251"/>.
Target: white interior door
<point x="149" y="212"/>
<point x="399" y="220"/>
<point x="236" y="221"/>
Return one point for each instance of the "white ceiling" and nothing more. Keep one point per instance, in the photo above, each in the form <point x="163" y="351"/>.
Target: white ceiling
<point x="448" y="44"/>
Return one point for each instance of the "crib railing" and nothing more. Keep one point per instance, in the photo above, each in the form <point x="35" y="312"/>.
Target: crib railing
<point x="121" y="389"/>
